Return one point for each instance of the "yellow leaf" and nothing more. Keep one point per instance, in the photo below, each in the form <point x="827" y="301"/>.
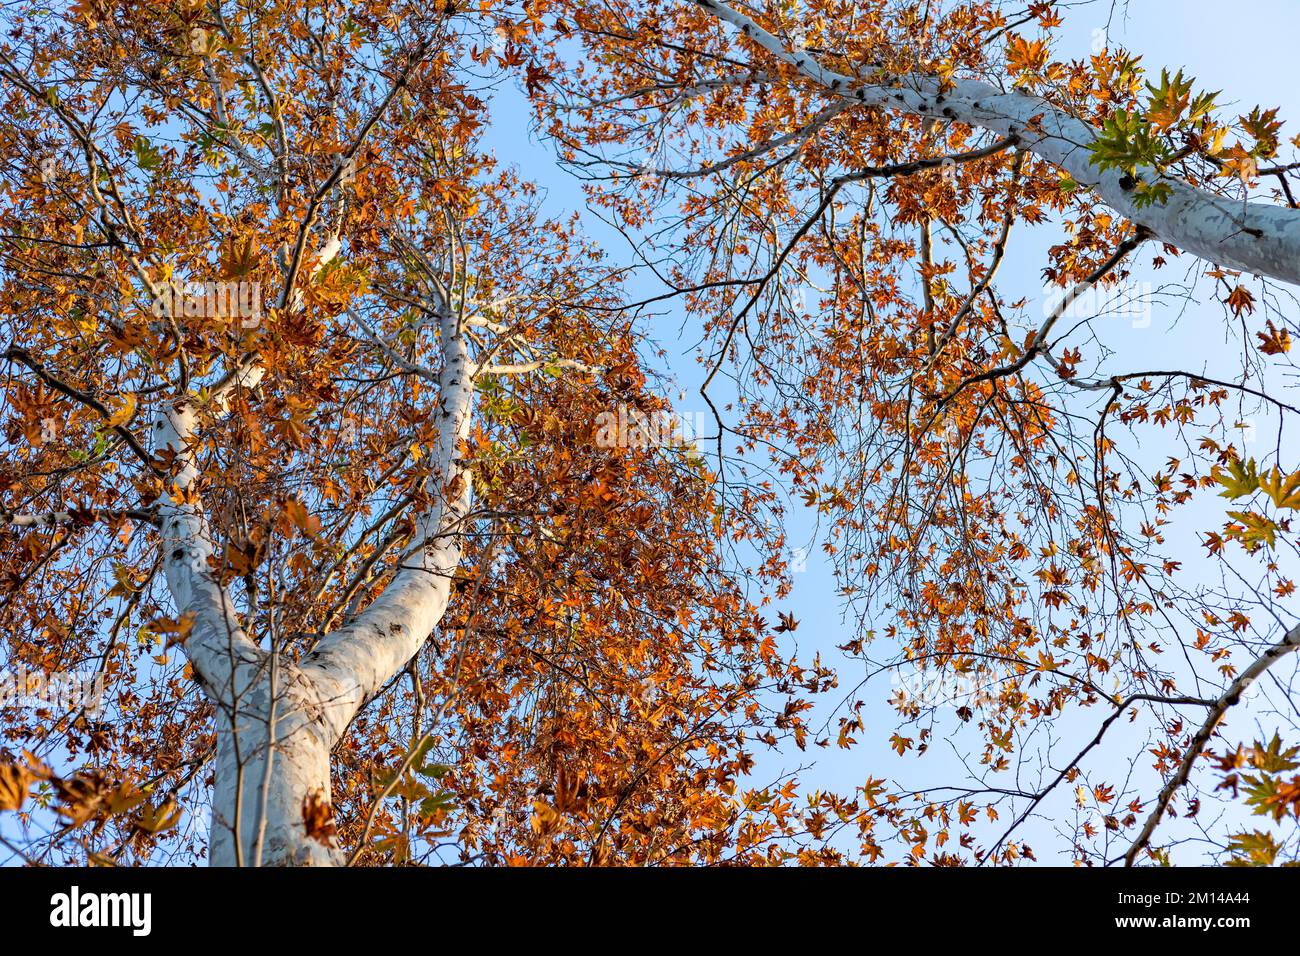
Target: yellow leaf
<point x="158" y="819"/>
<point x="1240" y="480"/>
<point x="86" y="11"/>
<point x="1255" y="530"/>
<point x="1026" y="56"/>
<point x="125" y="411"/>
<point x="301" y="519"/>
<point x="14" y="781"/>
<point x="238" y="258"/>
<point x="1285" y="492"/>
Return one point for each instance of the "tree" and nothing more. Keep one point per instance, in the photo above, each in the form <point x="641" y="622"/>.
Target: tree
<point x="301" y="460"/>
<point x="342" y="464"/>
<point x="836" y="187"/>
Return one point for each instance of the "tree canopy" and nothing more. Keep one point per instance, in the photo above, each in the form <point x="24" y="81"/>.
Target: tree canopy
<point x="349" y="476"/>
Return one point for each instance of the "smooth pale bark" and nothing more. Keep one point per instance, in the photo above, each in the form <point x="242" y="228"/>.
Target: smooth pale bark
<point x="267" y="804"/>
<point x="354" y="662"/>
<point x="277" y="721"/>
<point x="232" y="669"/>
<point x="224" y="659"/>
<point x="1259" y="238"/>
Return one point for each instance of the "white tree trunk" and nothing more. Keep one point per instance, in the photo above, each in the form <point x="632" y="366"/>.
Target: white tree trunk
<point x="353" y="663"/>
<point x="276" y="720"/>
<point x="267" y="805"/>
<point x="1260" y="238"/>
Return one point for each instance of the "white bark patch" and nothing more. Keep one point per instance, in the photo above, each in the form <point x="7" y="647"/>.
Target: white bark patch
<point x="271" y="831"/>
<point x="223" y="657"/>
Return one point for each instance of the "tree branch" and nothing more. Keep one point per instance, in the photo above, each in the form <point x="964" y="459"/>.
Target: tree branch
<point x="1289" y="644"/>
<point x="1259" y="238"/>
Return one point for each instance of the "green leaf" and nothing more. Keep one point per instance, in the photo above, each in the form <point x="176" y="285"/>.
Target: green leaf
<point x="1126" y="142"/>
<point x="1256" y="529"/>
<point x="1253" y="849"/>
<point x="1273" y="759"/>
<point x="146" y="154"/>
<point x="439" y="801"/>
<point x="1241" y="479"/>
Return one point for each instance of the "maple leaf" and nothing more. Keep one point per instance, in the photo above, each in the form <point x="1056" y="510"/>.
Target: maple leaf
<point x="1239" y="480"/>
<point x="1275" y="341"/>
<point x="788" y="623"/>
<point x="1128" y="141"/>
<point x="1238" y="163"/>
<point x="238" y="257"/>
<point x="900" y="744"/>
<point x="88" y="11"/>
<point x="124" y="412"/>
<point x="1254" y="848"/>
<point x="1026" y="56"/>
<point x="14" y="782"/>
<point x="83" y="796"/>
<point x="1046" y="13"/>
<point x="301" y="518"/>
<point x="535" y="78"/>
<point x="1263" y="126"/>
<point x="1271" y="758"/>
<point x="872" y="791"/>
<point x="1285" y="799"/>
<point x="318" y="818"/>
<point x="1241" y="301"/>
<point x="1169" y="100"/>
<point x="242" y="557"/>
<point x="1283" y="490"/>
<point x="161" y="818"/>
<point x="1255" y="530"/>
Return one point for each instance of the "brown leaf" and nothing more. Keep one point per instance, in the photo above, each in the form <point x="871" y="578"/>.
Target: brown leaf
<point x="318" y="818"/>
<point x="1275" y="341"/>
<point x="1240" y="300"/>
<point x="14" y="781"/>
<point x="238" y="258"/>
